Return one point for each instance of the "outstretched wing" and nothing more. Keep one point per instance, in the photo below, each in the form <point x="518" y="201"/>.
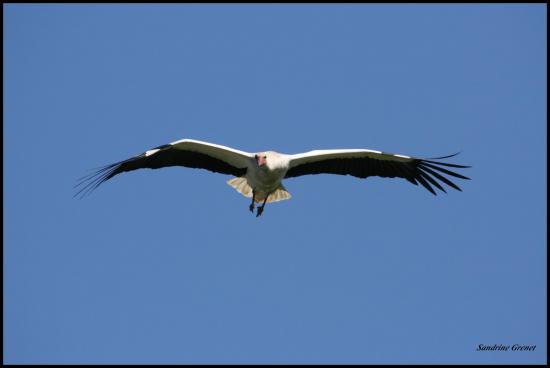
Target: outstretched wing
<point x="363" y="163"/>
<point x="185" y="152"/>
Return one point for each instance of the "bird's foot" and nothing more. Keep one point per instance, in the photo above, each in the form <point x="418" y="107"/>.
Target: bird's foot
<point x="251" y="207"/>
<point x="259" y="211"/>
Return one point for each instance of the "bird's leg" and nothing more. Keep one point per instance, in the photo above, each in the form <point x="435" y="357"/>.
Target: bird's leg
<point x="261" y="209"/>
<point x="251" y="207"/>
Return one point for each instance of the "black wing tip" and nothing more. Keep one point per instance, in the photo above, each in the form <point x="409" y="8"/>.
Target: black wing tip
<point x="442" y="157"/>
<point x="91" y="181"/>
<point x="433" y="170"/>
<point x="444" y="163"/>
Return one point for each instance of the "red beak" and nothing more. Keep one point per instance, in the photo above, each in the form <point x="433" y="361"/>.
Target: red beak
<point x="260" y="160"/>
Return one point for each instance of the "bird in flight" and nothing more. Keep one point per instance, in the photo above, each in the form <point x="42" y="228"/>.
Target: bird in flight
<point x="260" y="175"/>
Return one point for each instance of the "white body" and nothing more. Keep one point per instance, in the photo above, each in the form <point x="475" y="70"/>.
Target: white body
<point x="266" y="179"/>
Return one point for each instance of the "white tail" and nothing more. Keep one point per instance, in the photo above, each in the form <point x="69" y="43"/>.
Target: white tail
<point x="241" y="186"/>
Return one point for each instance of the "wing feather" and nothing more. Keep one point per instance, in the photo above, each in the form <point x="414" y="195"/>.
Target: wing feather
<point x="186" y="152"/>
<point x="363" y="163"/>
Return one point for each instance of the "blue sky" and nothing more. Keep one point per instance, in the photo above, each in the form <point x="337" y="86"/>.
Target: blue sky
<point x="169" y="266"/>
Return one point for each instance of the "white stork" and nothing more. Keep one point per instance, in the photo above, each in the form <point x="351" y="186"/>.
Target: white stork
<point x="260" y="175"/>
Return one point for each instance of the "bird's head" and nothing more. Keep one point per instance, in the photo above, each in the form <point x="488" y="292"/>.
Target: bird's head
<point x="261" y="158"/>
